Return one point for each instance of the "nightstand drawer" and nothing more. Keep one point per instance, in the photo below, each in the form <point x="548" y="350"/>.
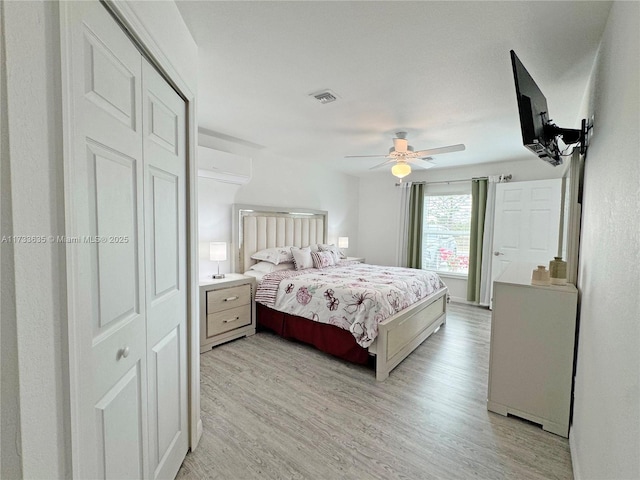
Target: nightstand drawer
<point x="225" y="298"/>
<point x="228" y="320"/>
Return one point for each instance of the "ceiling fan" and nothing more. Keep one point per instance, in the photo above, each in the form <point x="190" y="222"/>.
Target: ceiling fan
<point x="403" y="155"/>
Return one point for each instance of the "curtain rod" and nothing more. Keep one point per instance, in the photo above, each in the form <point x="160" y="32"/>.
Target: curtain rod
<point x="502" y="177"/>
<point x="447" y="182"/>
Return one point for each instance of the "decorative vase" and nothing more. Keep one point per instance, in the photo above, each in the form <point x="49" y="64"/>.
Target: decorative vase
<point x="541" y="276"/>
<point x="558" y="270"/>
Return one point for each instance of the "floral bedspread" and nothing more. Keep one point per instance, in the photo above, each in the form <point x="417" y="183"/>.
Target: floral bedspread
<point x="354" y="296"/>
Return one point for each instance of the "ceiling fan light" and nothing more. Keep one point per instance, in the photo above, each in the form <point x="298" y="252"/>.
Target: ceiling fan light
<point x="401" y="169"/>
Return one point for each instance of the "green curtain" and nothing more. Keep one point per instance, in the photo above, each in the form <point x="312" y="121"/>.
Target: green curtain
<point x="416" y="213"/>
<point x="478" y="210"/>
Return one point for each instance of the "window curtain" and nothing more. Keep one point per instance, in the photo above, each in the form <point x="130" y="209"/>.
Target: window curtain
<point x="487" y="241"/>
<point x="478" y="210"/>
<point x="415" y="220"/>
<point x="403" y="225"/>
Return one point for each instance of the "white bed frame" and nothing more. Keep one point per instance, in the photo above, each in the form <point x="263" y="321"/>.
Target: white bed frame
<point x="259" y="227"/>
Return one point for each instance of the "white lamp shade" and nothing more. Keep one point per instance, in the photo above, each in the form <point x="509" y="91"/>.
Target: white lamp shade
<point x="218" y="251"/>
<point x="343" y="242"/>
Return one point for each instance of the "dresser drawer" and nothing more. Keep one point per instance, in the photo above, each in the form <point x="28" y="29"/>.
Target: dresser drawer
<point x="225" y="298"/>
<point x="226" y="320"/>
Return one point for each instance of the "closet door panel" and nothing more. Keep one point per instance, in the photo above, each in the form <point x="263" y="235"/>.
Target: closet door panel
<point x="105" y="252"/>
<point x="109" y="82"/>
<point x="164" y="223"/>
<point x="164" y="375"/>
<point x="165" y="247"/>
<point x="120" y="438"/>
<point x="113" y="188"/>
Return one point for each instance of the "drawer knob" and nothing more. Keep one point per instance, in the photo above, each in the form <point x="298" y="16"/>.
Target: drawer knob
<point x="231" y="299"/>
<point x="123" y="352"/>
<point x="231" y="320"/>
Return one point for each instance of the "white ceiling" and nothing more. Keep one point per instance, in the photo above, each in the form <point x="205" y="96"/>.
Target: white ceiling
<point x="439" y="70"/>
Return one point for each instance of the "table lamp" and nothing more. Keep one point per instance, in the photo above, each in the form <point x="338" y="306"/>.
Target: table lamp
<point x="343" y="243"/>
<point x="218" y="253"/>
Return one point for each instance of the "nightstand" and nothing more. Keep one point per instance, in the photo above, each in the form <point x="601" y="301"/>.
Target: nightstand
<point x="357" y="259"/>
<point x="227" y="310"/>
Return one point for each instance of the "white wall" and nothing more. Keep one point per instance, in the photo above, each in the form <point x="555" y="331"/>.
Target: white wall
<point x="380" y="203"/>
<point x="275" y="181"/>
<point x="605" y="435"/>
<point x="35" y="150"/>
<point x="34" y="160"/>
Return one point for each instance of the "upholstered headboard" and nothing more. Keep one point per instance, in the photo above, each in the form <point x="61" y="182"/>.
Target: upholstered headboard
<point x="257" y="227"/>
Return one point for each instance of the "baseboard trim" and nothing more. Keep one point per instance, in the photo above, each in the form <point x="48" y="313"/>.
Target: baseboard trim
<point x="462" y="300"/>
<point x="574" y="459"/>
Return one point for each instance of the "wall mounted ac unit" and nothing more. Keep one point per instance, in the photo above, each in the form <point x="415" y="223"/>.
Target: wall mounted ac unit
<point x="223" y="166"/>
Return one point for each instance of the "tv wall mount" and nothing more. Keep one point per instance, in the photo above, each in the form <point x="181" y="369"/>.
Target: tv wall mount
<point x="570" y="136"/>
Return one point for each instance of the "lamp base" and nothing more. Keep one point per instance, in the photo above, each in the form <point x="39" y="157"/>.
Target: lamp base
<point x="217" y="276"/>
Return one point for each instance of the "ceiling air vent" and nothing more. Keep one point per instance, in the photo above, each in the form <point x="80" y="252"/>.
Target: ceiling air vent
<point x="325" y="96"/>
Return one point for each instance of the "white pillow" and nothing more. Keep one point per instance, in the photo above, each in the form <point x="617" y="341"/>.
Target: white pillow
<point x="274" y="255"/>
<point x="302" y="258"/>
<point x="268" y="267"/>
<point x="335" y="251"/>
<point x="314" y="247"/>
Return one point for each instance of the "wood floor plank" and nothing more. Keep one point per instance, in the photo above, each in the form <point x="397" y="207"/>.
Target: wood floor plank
<point x="275" y="409"/>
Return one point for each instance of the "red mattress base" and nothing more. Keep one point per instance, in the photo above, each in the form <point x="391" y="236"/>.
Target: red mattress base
<point x="327" y="338"/>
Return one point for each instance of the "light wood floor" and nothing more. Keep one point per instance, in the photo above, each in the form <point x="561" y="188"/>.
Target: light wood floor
<point x="274" y="409"/>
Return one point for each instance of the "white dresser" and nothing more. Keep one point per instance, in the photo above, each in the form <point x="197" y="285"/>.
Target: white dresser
<point x="532" y="349"/>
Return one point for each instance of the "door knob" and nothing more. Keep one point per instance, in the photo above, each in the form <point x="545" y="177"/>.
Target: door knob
<point x="498" y="253"/>
<point x="123" y="352"/>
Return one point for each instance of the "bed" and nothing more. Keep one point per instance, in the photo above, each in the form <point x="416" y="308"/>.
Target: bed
<point x="399" y="329"/>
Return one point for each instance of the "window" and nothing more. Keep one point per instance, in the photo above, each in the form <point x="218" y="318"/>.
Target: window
<point x="445" y="235"/>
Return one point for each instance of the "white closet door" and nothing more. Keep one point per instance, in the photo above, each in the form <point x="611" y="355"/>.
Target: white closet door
<point x="164" y="185"/>
<point x="125" y="207"/>
<point x="104" y="215"/>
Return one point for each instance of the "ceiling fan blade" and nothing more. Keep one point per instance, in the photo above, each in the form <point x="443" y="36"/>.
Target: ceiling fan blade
<point x="391" y="160"/>
<point x="422" y="163"/>
<point x="437" y="151"/>
<point x="365" y="156"/>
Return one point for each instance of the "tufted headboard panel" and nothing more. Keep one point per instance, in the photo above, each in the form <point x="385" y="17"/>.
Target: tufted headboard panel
<point x="257" y="227"/>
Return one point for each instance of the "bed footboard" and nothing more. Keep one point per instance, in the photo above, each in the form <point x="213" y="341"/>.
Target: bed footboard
<point x="401" y="334"/>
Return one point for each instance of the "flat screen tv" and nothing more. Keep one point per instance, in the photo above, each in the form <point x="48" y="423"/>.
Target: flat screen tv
<point x="539" y="134"/>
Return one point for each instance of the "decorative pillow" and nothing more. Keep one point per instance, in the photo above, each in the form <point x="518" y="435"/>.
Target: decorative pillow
<point x="322" y="259"/>
<point x="314" y="247"/>
<point x="274" y="255"/>
<point x="302" y="258"/>
<point x="268" y="267"/>
<point x="335" y="251"/>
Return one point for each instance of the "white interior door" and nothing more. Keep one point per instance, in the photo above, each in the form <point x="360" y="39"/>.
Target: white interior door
<point x="164" y="186"/>
<point x="104" y="197"/>
<point x="125" y="214"/>
<point x="527" y="223"/>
